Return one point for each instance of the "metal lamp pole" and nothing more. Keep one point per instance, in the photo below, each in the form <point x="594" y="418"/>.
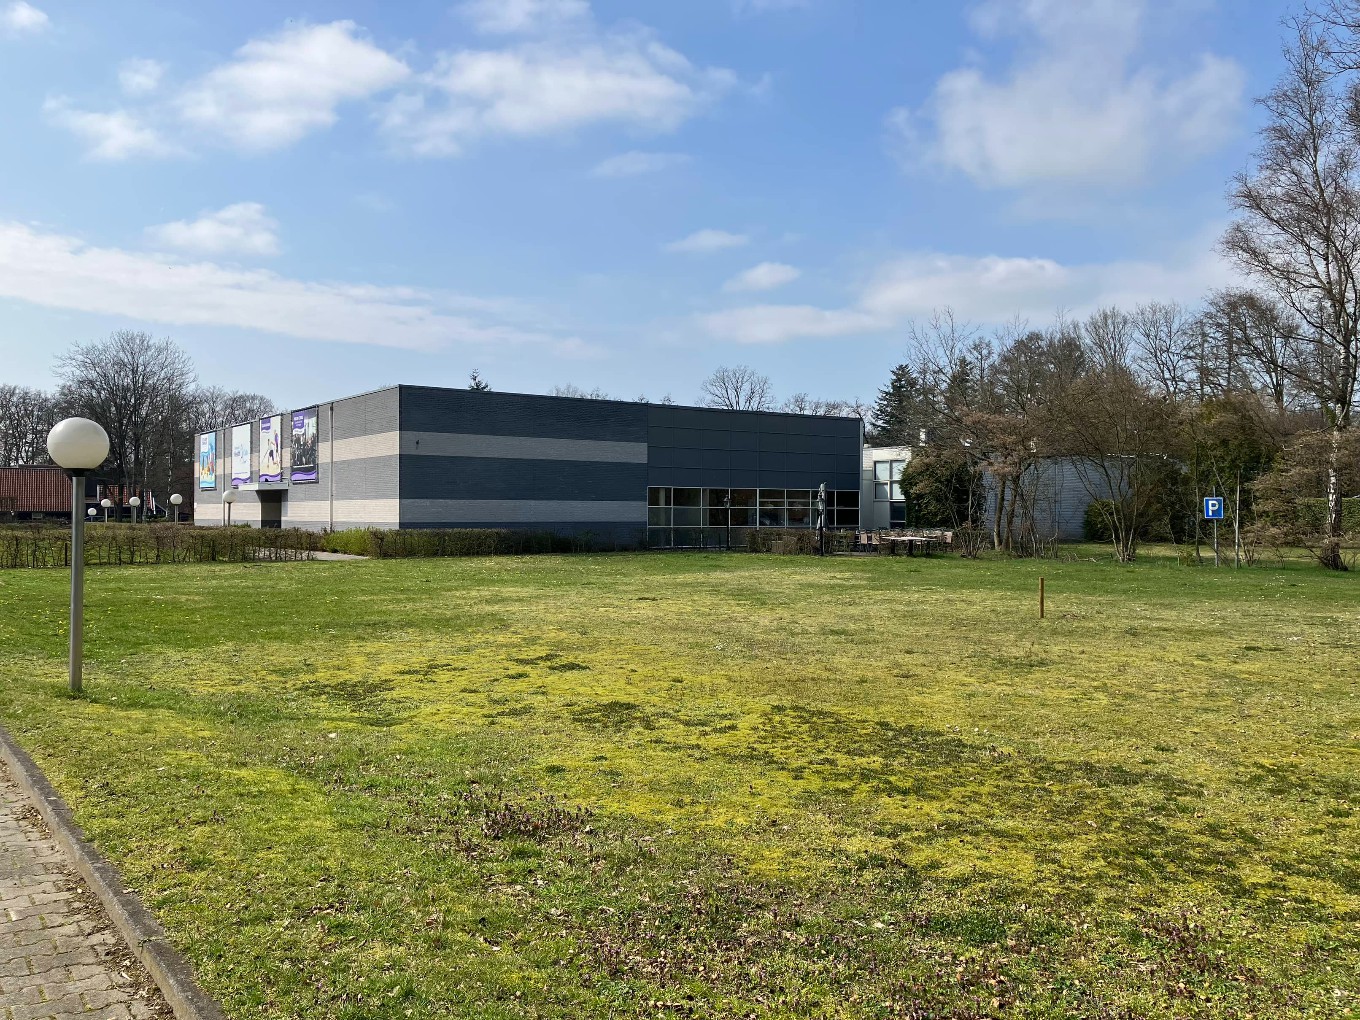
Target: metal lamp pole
<point x="78" y="445"/>
<point x="228" y="498"/>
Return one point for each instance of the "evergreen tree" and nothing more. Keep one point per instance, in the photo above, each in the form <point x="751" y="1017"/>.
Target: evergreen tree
<point x="898" y="412"/>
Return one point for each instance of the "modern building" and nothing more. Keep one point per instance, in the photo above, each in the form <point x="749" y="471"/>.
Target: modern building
<point x="621" y="473"/>
<point x="881" y="501"/>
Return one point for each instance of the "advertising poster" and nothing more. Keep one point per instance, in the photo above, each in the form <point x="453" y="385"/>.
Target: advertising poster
<point x="271" y="448"/>
<point x="303" y="468"/>
<point x="240" y="454"/>
<point x="207" y="460"/>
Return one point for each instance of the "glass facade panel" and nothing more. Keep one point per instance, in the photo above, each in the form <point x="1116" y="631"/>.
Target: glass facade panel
<point x="715" y="497"/>
<point x="658" y="538"/>
<point x="688" y="516"/>
<point x="743" y="497"/>
<point x="716" y="516"/>
<point x="744" y="517"/>
<point x="692" y="518"/>
<point x="687" y="497"/>
<point x="847" y="499"/>
<point x="658" y="496"/>
<point x="801" y="517"/>
<point x="659" y="517"/>
<point x="773" y="498"/>
<point x="800" y="497"/>
<point x="773" y="517"/>
<point x="688" y="538"/>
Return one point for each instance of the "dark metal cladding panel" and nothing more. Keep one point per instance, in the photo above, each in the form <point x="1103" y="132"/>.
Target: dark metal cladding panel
<point x="428" y="409"/>
<point x="368" y="414"/>
<point x="495" y="478"/>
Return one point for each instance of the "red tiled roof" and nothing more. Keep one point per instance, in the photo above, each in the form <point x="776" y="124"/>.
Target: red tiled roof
<point x="35" y="490"/>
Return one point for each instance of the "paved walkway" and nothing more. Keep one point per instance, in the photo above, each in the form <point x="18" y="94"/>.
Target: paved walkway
<point x="60" y="958"/>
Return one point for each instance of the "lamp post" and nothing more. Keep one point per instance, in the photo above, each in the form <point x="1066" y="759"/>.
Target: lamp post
<point x="106" y="503"/>
<point x="134" y="502"/>
<point x="228" y="498"/>
<point x="90" y="513"/>
<point x="78" y="445"/>
<point x="175" y="500"/>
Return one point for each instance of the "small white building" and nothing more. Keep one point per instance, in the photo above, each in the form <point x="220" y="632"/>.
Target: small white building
<point x="881" y="501"/>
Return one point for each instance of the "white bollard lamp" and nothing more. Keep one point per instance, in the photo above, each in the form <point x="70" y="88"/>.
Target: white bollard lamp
<point x="106" y="503"/>
<point x="78" y="445"/>
<point x="175" y="500"/>
<point x="134" y="502"/>
<point x="228" y="498"/>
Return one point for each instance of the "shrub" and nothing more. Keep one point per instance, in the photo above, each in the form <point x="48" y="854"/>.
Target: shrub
<point x="123" y="544"/>
<point x="438" y="542"/>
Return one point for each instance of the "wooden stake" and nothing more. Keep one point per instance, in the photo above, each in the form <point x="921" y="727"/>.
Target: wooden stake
<point x="1041" y="598"/>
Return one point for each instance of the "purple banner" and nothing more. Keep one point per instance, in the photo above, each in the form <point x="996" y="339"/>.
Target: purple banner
<point x="303" y="467"/>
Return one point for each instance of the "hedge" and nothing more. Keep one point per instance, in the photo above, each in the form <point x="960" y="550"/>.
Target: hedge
<point x="38" y="545"/>
<point x="435" y="542"/>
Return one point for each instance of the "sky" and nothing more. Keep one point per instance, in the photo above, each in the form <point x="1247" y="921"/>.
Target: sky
<point x="318" y="198"/>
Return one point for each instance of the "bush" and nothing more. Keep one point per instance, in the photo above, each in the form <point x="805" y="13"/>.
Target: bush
<point x="437" y="542"/>
<point x="1313" y="515"/>
<point x="123" y="544"/>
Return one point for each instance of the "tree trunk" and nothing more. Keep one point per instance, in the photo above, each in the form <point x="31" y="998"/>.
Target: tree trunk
<point x="1000" y="509"/>
<point x="1330" y="553"/>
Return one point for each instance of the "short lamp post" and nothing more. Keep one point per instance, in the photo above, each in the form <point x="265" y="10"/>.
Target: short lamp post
<point x="106" y="503"/>
<point x="78" y="445"/>
<point x="90" y="513"/>
<point x="134" y="502"/>
<point x="228" y="498"/>
<point x="175" y="500"/>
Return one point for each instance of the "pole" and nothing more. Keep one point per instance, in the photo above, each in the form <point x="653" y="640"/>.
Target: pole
<point x="77" y="579"/>
<point x="1215" y="541"/>
<point x="1041" y="598"/>
<point x="1237" y="523"/>
<point x="176" y="505"/>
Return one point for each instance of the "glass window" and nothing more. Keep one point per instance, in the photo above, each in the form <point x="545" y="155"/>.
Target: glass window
<point x="659" y="538"/>
<point x="800" y="497"/>
<point x="772" y="516"/>
<point x="897" y="490"/>
<point x="688" y="538"/>
<point x="881" y="469"/>
<point x="659" y="516"/>
<point x="688" y="516"/>
<point x="847" y="499"/>
<point x="898" y="466"/>
<point x="773" y="498"/>
<point x="743" y="517"/>
<point x="743" y="497"/>
<point x="847" y="518"/>
<point x="897" y="515"/>
<point x="715" y="497"/>
<point x="716" y="517"/>
<point x="686" y="497"/>
<point x="657" y="496"/>
<point x="880" y="490"/>
<point x="800" y="517"/>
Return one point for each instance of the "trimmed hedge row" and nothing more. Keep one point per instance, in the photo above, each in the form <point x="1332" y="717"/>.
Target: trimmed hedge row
<point x="436" y="542"/>
<point x="37" y="545"/>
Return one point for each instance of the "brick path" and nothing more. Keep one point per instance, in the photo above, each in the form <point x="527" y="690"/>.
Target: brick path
<point x="60" y="957"/>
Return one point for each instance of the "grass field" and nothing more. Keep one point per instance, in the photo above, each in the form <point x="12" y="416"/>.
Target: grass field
<point x="707" y="786"/>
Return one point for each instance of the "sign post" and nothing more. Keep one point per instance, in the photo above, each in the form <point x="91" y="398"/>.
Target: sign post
<point x="1213" y="511"/>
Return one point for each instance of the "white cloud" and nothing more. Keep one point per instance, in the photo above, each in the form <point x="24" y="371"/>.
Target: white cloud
<point x="57" y="271"/>
<point x="552" y="85"/>
<point x="766" y="276"/>
<point x="140" y="77"/>
<point x="987" y="289"/>
<point x="241" y="229"/>
<point x="506" y="17"/>
<point x="702" y="242"/>
<point x="634" y="164"/>
<point x="20" y="18"/>
<point x="279" y="88"/>
<point x="1077" y="107"/>
<point x="111" y="135"/>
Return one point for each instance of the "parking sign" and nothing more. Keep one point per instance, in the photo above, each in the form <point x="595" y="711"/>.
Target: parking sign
<point x="1213" y="508"/>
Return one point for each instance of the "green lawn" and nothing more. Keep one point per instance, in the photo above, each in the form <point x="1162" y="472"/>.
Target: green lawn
<point x="708" y="786"/>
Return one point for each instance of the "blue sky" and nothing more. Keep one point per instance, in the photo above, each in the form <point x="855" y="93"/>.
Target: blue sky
<point x="324" y="197"/>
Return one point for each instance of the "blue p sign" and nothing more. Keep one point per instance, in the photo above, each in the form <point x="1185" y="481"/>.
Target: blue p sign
<point x="1213" y="508"/>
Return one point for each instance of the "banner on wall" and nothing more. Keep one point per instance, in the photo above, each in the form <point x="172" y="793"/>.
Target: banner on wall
<point x="303" y="468"/>
<point x="207" y="460"/>
<point x="271" y="448"/>
<point x="240" y="454"/>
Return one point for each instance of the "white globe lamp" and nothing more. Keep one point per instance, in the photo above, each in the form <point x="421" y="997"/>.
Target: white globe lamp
<point x="228" y="498"/>
<point x="175" y="500"/>
<point x="78" y="445"/>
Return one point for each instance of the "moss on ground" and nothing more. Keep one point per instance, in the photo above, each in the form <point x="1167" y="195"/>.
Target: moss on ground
<point x="706" y="786"/>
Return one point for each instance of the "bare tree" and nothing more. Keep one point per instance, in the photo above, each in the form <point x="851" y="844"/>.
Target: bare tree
<point x="1165" y="347"/>
<point x="594" y="393"/>
<point x="142" y="391"/>
<point x="26" y="416"/>
<point x="740" y="388"/>
<point x="212" y="407"/>
<point x="1298" y="226"/>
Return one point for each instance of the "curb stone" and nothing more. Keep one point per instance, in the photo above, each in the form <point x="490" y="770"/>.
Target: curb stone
<point x="143" y="933"/>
